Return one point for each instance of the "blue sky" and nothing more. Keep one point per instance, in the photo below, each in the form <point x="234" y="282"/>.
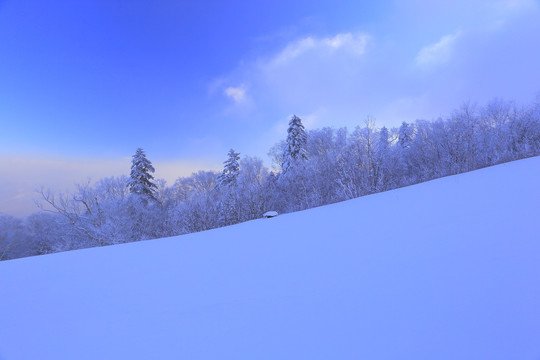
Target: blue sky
<point x="84" y="83"/>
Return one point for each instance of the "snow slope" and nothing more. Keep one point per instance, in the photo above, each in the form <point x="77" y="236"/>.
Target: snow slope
<point x="448" y="269"/>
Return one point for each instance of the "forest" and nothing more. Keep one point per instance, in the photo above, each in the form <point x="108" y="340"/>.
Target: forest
<point x="310" y="168"/>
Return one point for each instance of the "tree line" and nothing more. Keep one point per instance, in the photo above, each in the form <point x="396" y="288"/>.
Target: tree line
<point x="310" y="168"/>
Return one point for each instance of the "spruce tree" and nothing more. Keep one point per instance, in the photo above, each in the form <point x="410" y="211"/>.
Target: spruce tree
<point x="140" y="181"/>
<point x="295" y="148"/>
<point x="231" y="170"/>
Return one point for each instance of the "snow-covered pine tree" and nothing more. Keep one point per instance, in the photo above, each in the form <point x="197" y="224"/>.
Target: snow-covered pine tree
<point x="140" y="180"/>
<point x="231" y="170"/>
<point x="295" y="148"/>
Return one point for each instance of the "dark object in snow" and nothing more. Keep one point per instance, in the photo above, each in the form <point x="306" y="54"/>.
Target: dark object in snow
<point x="270" y="214"/>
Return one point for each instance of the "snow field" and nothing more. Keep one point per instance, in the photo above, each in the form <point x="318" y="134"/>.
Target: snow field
<point x="447" y="269"/>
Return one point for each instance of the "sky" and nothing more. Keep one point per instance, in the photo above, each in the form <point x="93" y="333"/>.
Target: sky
<point x="83" y="84"/>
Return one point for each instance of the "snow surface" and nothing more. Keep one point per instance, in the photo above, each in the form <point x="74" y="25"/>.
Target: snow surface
<point x="448" y="269"/>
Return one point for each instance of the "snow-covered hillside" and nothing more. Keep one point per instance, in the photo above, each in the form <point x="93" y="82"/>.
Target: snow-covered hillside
<point x="448" y="269"/>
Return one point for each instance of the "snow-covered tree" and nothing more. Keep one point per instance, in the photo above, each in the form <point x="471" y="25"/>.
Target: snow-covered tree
<point x="295" y="148"/>
<point x="323" y="148"/>
<point x="140" y="181"/>
<point x="384" y="140"/>
<point x="11" y="236"/>
<point x="319" y="168"/>
<point x="231" y="170"/>
<point x="227" y="183"/>
<point x="405" y="135"/>
<point x="250" y="191"/>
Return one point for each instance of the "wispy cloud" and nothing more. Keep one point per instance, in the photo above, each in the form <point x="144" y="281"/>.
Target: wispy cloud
<point x="438" y="53"/>
<point x="315" y="64"/>
<point x="344" y="77"/>
<point x="352" y="43"/>
<point x="238" y="94"/>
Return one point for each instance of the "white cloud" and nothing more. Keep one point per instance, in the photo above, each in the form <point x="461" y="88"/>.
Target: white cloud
<point x="340" y="79"/>
<point x="238" y="94"/>
<point x="439" y="52"/>
<point x="311" y="70"/>
<point x="294" y="49"/>
<point x="318" y="63"/>
<point x="352" y="43"/>
<point x="356" y="44"/>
